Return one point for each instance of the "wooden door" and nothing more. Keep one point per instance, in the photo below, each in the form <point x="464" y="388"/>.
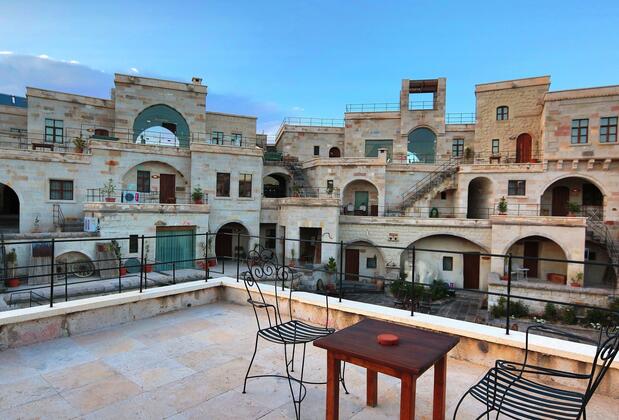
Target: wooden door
<point x="352" y="264"/>
<point x="471" y="270"/>
<point x="524" y="145"/>
<point x="223" y="243"/>
<point x="560" y="198"/>
<point x="167" y="188"/>
<point x="531" y="249"/>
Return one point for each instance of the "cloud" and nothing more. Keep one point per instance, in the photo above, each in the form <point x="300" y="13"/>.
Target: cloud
<point x="298" y="109"/>
<point x="18" y="71"/>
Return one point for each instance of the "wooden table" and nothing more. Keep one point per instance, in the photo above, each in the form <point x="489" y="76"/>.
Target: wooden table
<point x="416" y="352"/>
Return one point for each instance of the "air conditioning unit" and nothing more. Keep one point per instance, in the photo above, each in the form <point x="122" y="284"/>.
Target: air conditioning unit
<point x="131" y="197"/>
<point x="91" y="224"/>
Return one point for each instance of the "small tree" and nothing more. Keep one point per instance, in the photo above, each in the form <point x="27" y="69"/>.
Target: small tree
<point x="331" y="265"/>
<point x="502" y="206"/>
<point x="197" y="195"/>
<point x="109" y="190"/>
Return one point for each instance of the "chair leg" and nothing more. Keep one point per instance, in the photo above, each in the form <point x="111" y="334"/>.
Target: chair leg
<point x="460" y="402"/>
<point x="301" y="396"/>
<point x="293" y="354"/>
<point x="343" y="379"/>
<point x="297" y="414"/>
<point x="251" y="363"/>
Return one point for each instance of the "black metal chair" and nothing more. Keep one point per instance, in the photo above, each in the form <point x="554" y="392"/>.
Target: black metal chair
<point x="262" y="267"/>
<point x="505" y="389"/>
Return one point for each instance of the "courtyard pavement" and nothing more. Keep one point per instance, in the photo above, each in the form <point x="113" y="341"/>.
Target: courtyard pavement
<point x="190" y="364"/>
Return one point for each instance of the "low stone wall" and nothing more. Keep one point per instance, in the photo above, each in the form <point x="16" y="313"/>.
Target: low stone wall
<point x="549" y="291"/>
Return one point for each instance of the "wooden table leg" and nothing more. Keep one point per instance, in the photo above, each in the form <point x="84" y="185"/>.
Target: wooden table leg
<point x="333" y="387"/>
<point x="372" y="388"/>
<point x="440" y="381"/>
<point x="407" y="397"/>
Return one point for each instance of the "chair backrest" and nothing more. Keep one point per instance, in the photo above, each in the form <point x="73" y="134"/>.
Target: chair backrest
<point x="262" y="266"/>
<point x="608" y="346"/>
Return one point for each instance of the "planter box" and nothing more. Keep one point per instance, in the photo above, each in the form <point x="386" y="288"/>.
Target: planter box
<point x="556" y="278"/>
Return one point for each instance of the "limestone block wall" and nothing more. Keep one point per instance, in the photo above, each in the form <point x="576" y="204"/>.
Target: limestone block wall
<point x="561" y="107"/>
<point x="525" y="99"/>
<point x="231" y="124"/>
<point x="465" y="132"/>
<point x="12" y="117"/>
<point x="362" y="126"/>
<point x="133" y="94"/>
<point x="299" y="141"/>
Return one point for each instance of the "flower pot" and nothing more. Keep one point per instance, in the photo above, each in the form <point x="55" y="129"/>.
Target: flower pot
<point x="575" y="285"/>
<point x="102" y="247"/>
<point x="110" y="199"/>
<point x="79" y="150"/>
<point x="212" y="262"/>
<point x="123" y="271"/>
<point x="198" y="201"/>
<point x="13" y="282"/>
<point x="148" y="268"/>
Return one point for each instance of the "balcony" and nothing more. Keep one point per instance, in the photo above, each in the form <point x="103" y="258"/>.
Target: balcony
<point x="132" y="197"/>
<point x="187" y="358"/>
<point x="313" y="122"/>
<point x="374" y="107"/>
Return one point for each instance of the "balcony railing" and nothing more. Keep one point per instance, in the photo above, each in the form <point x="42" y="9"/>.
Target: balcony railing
<point x="420" y="105"/>
<point x="460" y="118"/>
<point x="314" y="122"/>
<point x="99" y="195"/>
<point x="373" y="107"/>
<point x="315" y="192"/>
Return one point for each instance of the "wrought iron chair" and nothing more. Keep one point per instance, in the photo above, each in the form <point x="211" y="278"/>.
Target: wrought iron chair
<point x="505" y="389"/>
<point x="262" y="266"/>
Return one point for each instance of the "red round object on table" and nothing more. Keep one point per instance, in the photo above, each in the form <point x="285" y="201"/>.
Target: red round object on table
<point x="387" y="339"/>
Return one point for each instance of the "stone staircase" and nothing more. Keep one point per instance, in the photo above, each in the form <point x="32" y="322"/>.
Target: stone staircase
<point x="598" y="232"/>
<point x="299" y="181"/>
<point x="66" y="224"/>
<point x="431" y="184"/>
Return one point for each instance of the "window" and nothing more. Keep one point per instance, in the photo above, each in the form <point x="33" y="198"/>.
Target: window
<point x="580" y="131"/>
<point x="103" y="133"/>
<point x="370" y="262"/>
<point x="372" y="146"/>
<point x="217" y="137"/>
<point x="591" y="195"/>
<point x="53" y="130"/>
<point x="329" y="185"/>
<point x="236" y="139"/>
<point x="443" y="195"/>
<point x="133" y="244"/>
<point x="245" y="185"/>
<point x="608" y="130"/>
<point x="495" y="146"/>
<point x="316" y="150"/>
<point x="502" y="113"/>
<point x="457" y="148"/>
<point x="60" y="190"/>
<point x="223" y="185"/>
<point x="144" y="181"/>
<point x="448" y="263"/>
<point x="516" y="187"/>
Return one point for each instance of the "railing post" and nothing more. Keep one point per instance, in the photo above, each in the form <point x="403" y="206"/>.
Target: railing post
<point x="51" y="283"/>
<point x="66" y="282"/>
<point x="141" y="265"/>
<point x="236" y="252"/>
<point x="509" y="289"/>
<point x="120" y="286"/>
<point x="174" y="273"/>
<point x="413" y="262"/>
<point x="341" y="269"/>
<point x="206" y="269"/>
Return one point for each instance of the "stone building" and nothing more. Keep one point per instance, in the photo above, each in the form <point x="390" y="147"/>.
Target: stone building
<point x="384" y="179"/>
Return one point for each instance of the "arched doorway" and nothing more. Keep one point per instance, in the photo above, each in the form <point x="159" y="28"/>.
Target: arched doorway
<point x="275" y="186"/>
<point x="155" y="181"/>
<point x="9" y="210"/>
<point x="449" y="258"/>
<point x="479" y="201"/>
<point x="529" y="266"/>
<point x="334" y="152"/>
<point x="421" y="146"/>
<point x="572" y="195"/>
<point x="228" y="243"/>
<point x="162" y="125"/>
<point x="363" y="262"/>
<point x="524" y="147"/>
<point x="360" y="198"/>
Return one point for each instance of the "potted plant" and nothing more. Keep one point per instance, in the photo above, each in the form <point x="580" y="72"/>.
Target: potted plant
<point x="115" y="248"/>
<point x="502" y="206"/>
<point x="296" y="190"/>
<point x="331" y="268"/>
<point x="468" y="154"/>
<point x="147" y="267"/>
<point x="292" y="258"/>
<point x="577" y="280"/>
<point x="80" y="144"/>
<point x="573" y="209"/>
<point x="197" y="195"/>
<point x="108" y="191"/>
<point x="11" y="261"/>
<point x="36" y="225"/>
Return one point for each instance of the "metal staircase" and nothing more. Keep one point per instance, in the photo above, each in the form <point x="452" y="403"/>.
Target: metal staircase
<point x="299" y="181"/>
<point x="429" y="182"/>
<point x="68" y="224"/>
<point x="597" y="231"/>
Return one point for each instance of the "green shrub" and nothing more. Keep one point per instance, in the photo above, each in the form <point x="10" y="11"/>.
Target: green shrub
<point x="596" y="316"/>
<point x="439" y="289"/>
<point x="568" y="316"/>
<point x="550" y="312"/>
<point x="517" y="309"/>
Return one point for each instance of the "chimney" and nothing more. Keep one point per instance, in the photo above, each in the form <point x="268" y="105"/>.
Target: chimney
<point x="196" y="80"/>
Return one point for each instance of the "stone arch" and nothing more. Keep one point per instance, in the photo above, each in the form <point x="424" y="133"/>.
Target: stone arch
<point x="364" y="252"/>
<point x="360" y="196"/>
<point x="148" y="176"/>
<point x="161" y="115"/>
<point x="540" y="246"/>
<point x="334" y="152"/>
<point x="421" y="145"/>
<point x="479" y="198"/>
<point x="570" y="188"/>
<point x="276" y="184"/>
<point x="544" y="235"/>
<point x="226" y="239"/>
<point x="10" y="209"/>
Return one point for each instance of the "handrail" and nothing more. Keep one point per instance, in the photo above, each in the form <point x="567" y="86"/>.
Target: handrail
<point x="423" y="182"/>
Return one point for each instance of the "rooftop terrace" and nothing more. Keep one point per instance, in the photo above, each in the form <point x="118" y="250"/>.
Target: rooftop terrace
<point x="190" y="363"/>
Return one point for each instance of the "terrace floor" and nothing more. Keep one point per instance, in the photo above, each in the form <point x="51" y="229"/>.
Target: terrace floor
<point x="191" y="364"/>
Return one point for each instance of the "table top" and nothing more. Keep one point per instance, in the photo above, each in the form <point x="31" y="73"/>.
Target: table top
<point x="416" y="351"/>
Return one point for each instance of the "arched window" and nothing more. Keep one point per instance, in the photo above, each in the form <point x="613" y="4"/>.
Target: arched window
<point x="334" y="152"/>
<point x="502" y="113"/>
<point x="421" y="146"/>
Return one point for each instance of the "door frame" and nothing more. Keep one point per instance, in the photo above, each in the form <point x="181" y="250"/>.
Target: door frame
<point x="353" y="276"/>
<point x="470" y="258"/>
<point x="166" y="200"/>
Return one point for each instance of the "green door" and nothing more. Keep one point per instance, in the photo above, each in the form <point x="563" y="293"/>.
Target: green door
<point x="175" y="245"/>
<point x="361" y="198"/>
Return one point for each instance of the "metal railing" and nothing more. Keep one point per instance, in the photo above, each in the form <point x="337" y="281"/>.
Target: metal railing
<point x="100" y="195"/>
<point x="132" y="254"/>
<point x="314" y="122"/>
<point x="420" y="105"/>
<point x="460" y="118"/>
<point x="374" y="107"/>
<point x="315" y="192"/>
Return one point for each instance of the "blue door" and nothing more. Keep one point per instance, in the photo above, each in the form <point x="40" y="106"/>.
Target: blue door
<point x="175" y="245"/>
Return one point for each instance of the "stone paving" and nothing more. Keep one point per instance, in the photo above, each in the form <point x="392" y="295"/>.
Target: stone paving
<point x="190" y="364"/>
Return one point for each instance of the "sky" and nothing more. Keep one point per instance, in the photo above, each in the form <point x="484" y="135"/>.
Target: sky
<point x="275" y="59"/>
